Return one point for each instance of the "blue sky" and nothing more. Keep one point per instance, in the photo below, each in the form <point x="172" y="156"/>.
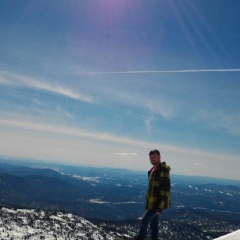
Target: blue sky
<point x="102" y="82"/>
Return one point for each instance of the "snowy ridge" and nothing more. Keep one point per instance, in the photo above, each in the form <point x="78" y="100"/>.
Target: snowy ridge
<point x="32" y="224"/>
<point x="231" y="236"/>
<point x="49" y="225"/>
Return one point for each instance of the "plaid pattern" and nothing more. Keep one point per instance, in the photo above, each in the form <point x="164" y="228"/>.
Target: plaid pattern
<point x="159" y="195"/>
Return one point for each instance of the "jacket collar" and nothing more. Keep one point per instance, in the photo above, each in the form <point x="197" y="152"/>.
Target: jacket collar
<point x="162" y="164"/>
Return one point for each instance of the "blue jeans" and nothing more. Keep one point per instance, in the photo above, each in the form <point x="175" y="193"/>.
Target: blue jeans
<point x="151" y="217"/>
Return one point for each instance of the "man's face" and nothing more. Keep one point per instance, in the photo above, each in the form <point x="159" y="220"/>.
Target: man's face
<point x="155" y="159"/>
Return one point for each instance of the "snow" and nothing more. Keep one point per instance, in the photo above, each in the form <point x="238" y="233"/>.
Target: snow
<point x="26" y="210"/>
<point x="32" y="224"/>
<point x="90" y="179"/>
<point x="180" y="206"/>
<point x="19" y="224"/>
<point x="202" y="208"/>
<point x="99" y="201"/>
<point x="7" y="210"/>
<point x="231" y="236"/>
<point x="207" y="190"/>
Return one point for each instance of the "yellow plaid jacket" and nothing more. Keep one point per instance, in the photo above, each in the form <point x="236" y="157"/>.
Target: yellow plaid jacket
<point x="159" y="188"/>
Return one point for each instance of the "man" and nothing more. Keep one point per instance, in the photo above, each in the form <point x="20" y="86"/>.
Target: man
<point x="158" y="195"/>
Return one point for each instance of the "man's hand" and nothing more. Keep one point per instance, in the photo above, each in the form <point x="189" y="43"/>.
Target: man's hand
<point x="157" y="213"/>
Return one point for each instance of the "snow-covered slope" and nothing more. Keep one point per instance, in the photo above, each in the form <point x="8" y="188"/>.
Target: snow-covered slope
<point x="231" y="236"/>
<point x="34" y="225"/>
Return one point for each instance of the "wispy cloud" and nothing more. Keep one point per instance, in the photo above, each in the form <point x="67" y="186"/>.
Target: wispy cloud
<point x="55" y="142"/>
<point x="19" y="80"/>
<point x="148" y="104"/>
<point x="38" y="102"/>
<point x="63" y="130"/>
<point x="62" y="111"/>
<point x="161" y="109"/>
<point x="3" y="81"/>
<point x="148" y="123"/>
<point x="220" y="120"/>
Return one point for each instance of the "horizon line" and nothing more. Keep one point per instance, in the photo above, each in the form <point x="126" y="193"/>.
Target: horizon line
<point x="23" y="161"/>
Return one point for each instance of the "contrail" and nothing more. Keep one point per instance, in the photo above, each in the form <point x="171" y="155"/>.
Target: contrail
<point x="147" y="71"/>
<point x="164" y="71"/>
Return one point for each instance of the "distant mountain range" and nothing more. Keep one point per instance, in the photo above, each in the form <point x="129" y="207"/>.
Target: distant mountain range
<point x="110" y="198"/>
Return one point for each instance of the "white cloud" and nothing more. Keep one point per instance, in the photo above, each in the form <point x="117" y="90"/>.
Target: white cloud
<point x="126" y="154"/>
<point x="133" y="154"/>
<point x="122" y="154"/>
<point x="19" y="80"/>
